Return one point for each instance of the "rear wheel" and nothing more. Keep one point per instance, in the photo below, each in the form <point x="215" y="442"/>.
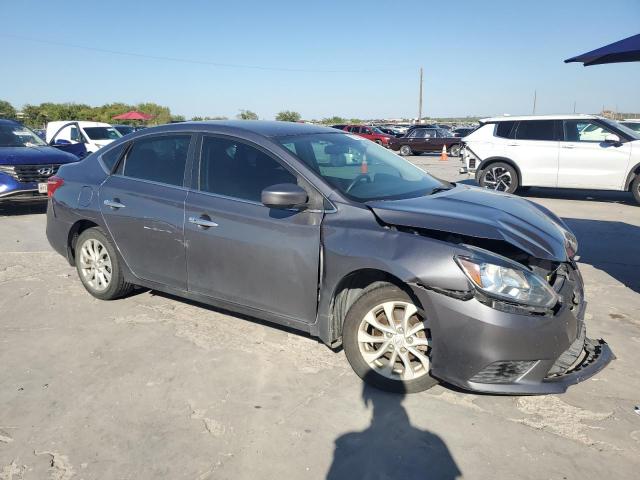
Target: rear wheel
<point x="379" y="142"/>
<point x="406" y="150"/>
<point x="499" y="176"/>
<point x="387" y="341"/>
<point x="635" y="188"/>
<point x="455" y="150"/>
<point x="98" y="266"/>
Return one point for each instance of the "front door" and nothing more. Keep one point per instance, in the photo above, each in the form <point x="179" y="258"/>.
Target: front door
<point x="142" y="204"/>
<point x="241" y="251"/>
<point x="588" y="161"/>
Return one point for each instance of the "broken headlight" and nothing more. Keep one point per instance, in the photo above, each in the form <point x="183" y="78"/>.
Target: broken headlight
<point x="508" y="283"/>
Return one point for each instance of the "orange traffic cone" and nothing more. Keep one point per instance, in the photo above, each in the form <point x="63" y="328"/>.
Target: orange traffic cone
<point x="443" y="156"/>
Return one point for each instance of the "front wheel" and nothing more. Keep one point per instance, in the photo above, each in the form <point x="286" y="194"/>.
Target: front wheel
<point x="635" y="188"/>
<point x="499" y="176"/>
<point x="387" y="341"/>
<point x="405" y="150"/>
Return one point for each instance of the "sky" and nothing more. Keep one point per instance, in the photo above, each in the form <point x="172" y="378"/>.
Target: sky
<point x="356" y="59"/>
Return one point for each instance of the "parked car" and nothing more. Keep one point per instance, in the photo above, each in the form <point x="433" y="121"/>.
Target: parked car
<point x="421" y="140"/>
<point x="124" y="129"/>
<point x="339" y="126"/>
<point x="370" y="133"/>
<point x="390" y="131"/>
<point x="633" y="124"/>
<point x="305" y="226"/>
<point x="419" y="125"/>
<point x="463" y="131"/>
<point x="26" y="162"/>
<point x="94" y="135"/>
<point x="566" y="151"/>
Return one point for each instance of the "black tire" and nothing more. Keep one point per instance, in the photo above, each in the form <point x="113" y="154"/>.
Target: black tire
<point x="635" y="189"/>
<point x="353" y="322"/>
<point x="379" y="142"/>
<point x="455" y="150"/>
<point x="405" y="150"/>
<point x="499" y="176"/>
<point x="117" y="287"/>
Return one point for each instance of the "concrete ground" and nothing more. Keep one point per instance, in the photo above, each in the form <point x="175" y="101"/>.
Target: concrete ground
<point x="156" y="387"/>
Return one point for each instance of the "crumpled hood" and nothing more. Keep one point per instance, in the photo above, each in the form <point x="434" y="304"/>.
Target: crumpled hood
<point x="481" y="213"/>
<point x="34" y="156"/>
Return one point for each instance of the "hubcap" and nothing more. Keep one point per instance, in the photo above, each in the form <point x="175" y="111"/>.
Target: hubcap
<point x="394" y="341"/>
<point x="405" y="150"/>
<point x="95" y="265"/>
<point x="497" y="178"/>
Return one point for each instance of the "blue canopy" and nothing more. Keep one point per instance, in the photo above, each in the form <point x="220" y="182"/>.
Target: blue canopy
<point x="627" y="50"/>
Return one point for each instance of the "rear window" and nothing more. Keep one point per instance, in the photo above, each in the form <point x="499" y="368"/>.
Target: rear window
<point x="535" y="130"/>
<point x="504" y="129"/>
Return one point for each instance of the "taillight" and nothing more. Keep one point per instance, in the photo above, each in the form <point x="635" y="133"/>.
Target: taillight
<point x="53" y="183"/>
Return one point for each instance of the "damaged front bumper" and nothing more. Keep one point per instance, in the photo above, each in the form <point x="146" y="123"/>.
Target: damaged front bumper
<point x="479" y="348"/>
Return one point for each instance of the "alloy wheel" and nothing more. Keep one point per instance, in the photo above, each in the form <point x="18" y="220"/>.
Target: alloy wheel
<point x="394" y="341"/>
<point x="95" y="265"/>
<point x="405" y="150"/>
<point x="497" y="178"/>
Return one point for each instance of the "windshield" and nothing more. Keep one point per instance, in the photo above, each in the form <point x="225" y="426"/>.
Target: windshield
<point x="19" y="136"/>
<point x="361" y="169"/>
<point x="102" y="133"/>
<point x="619" y="126"/>
<point x="124" y="129"/>
<point x="628" y="129"/>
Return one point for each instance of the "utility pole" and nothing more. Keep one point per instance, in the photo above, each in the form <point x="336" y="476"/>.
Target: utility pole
<point x="420" y="99"/>
<point x="534" y="101"/>
<point x="574" y="106"/>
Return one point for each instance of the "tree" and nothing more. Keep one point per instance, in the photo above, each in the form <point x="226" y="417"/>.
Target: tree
<point x="7" y="111"/>
<point x="288" y="116"/>
<point x="177" y="118"/>
<point x="247" y="115"/>
<point x="334" y="120"/>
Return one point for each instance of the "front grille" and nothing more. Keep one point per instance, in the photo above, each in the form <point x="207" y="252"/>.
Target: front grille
<point x="502" y="372"/>
<point x="30" y="173"/>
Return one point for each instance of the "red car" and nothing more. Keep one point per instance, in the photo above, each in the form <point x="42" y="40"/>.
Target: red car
<point x="372" y="133"/>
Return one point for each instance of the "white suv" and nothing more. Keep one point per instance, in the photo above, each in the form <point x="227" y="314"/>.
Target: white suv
<point x="565" y="151"/>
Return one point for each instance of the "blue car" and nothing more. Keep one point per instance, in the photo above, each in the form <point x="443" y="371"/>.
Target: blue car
<point x="27" y="162"/>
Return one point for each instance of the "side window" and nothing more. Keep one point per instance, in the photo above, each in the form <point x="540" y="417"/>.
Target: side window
<point x="429" y="133"/>
<point x="75" y="134"/>
<point x="235" y="169"/>
<point x="535" y="130"/>
<point x="505" y="129"/>
<point x="367" y="130"/>
<point x="158" y="159"/>
<point x="584" y="131"/>
<point x="112" y="156"/>
<point x="413" y="133"/>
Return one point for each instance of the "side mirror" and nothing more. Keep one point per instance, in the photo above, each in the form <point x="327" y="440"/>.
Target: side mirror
<point x="62" y="141"/>
<point x="284" y="195"/>
<point x="612" y="138"/>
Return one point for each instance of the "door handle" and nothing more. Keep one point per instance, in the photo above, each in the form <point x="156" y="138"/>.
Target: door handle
<point x="203" y="221"/>
<point x="513" y="144"/>
<point x="113" y="203"/>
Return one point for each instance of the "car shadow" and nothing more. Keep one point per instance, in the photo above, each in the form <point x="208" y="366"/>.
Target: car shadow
<point x="10" y="208"/>
<point x="610" y="246"/>
<point x="391" y="448"/>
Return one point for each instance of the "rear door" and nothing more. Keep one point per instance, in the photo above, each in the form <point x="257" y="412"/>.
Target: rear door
<point x="143" y="207"/>
<point x="533" y="146"/>
<point x="241" y="251"/>
<point x="587" y="161"/>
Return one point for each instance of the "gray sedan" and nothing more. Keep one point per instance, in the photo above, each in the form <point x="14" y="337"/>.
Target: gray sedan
<point x="418" y="279"/>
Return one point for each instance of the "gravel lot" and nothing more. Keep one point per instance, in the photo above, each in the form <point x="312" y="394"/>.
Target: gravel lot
<point x="156" y="387"/>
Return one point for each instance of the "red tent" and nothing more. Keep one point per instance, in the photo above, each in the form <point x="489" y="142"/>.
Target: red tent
<point x="133" y="115"/>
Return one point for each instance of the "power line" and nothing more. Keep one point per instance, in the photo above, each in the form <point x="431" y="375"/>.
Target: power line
<point x="200" y="62"/>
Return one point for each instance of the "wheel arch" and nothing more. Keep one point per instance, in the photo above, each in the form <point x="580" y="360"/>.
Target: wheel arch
<point x="635" y="171"/>
<point x="488" y="161"/>
<point x="351" y="287"/>
<point x="74" y="232"/>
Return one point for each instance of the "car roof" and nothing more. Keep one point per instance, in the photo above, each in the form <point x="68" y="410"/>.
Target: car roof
<point x="265" y="128"/>
<point x="6" y="121"/>
<point x="509" y="118"/>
